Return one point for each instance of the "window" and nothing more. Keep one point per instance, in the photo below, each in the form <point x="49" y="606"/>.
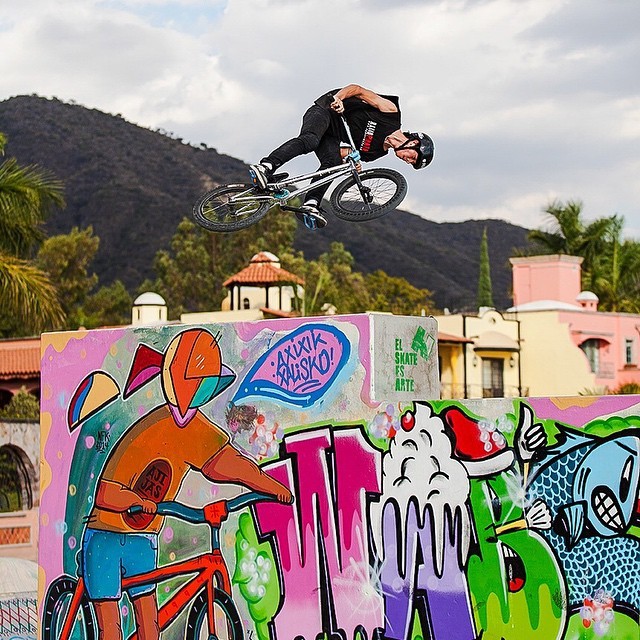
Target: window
<point x="591" y="349"/>
<point x="492" y="377"/>
<point x="245" y="303"/>
<point x="15" y="480"/>
<point x="628" y="351"/>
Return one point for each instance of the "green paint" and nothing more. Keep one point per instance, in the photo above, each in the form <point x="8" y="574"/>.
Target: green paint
<point x="533" y="608"/>
<point x="423" y="343"/>
<point x="256" y="576"/>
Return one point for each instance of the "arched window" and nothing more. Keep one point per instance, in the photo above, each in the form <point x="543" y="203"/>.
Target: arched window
<point x="591" y="348"/>
<point x="245" y="303"/>
<point x="16" y="473"/>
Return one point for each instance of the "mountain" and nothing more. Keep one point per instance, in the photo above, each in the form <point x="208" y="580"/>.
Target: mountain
<point x="134" y="185"/>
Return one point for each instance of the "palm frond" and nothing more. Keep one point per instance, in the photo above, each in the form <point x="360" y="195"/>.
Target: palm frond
<point x="26" y="292"/>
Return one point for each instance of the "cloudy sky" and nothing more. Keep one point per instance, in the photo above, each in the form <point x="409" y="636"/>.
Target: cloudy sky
<point x="527" y="100"/>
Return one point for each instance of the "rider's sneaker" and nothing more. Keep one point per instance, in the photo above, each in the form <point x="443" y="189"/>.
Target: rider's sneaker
<point x="311" y="216"/>
<point x="260" y="175"/>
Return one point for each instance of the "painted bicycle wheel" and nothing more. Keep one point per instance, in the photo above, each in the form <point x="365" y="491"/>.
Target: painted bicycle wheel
<point x="228" y="625"/>
<point x="380" y="191"/>
<point x="230" y="208"/>
<point x="56" y="608"/>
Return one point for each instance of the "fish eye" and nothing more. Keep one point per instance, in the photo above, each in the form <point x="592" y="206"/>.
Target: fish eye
<point x="625" y="480"/>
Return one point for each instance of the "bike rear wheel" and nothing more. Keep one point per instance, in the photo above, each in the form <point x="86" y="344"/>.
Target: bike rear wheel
<point x="56" y="607"/>
<point x="384" y="190"/>
<point x="230" y="208"/>
<point x="227" y="619"/>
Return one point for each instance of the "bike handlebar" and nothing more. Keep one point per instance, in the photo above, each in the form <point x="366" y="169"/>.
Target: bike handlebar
<point x="196" y="515"/>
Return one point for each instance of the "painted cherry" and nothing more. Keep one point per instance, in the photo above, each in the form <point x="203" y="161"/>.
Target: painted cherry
<point x="408" y="421"/>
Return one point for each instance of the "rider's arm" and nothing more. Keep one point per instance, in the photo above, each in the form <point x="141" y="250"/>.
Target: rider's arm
<point x="229" y="465"/>
<point x="366" y="95"/>
<point x="112" y="496"/>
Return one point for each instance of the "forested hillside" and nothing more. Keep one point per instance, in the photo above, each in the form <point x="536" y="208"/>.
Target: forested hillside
<point x="134" y="185"/>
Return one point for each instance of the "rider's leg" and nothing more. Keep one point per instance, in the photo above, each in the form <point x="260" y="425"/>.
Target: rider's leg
<point x="108" y="619"/>
<point x="315" y="124"/>
<point x="145" y="608"/>
<point x="328" y="153"/>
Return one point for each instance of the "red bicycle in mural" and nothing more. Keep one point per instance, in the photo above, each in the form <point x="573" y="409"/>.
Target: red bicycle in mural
<point x="68" y="613"/>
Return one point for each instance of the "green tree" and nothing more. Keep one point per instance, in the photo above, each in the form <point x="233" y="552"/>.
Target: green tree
<point x="184" y="274"/>
<point x="485" y="291"/>
<point x="396" y="295"/>
<point x="611" y="266"/>
<point x="329" y="281"/>
<point x="190" y="275"/>
<point x="109" y="306"/>
<point x="569" y="234"/>
<point x="66" y="258"/>
<point x="616" y="274"/>
<point x="22" y="406"/>
<point x="28" y="300"/>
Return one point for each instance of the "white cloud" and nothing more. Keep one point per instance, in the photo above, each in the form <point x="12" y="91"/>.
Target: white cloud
<point x="525" y="99"/>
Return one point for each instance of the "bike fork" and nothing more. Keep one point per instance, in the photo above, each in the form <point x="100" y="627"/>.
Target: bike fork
<point x="365" y="192"/>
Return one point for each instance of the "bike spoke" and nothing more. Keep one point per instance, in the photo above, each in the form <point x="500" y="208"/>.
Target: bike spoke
<point x="380" y="192"/>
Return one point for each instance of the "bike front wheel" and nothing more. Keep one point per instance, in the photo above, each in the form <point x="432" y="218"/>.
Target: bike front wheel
<point x="56" y="610"/>
<point x="228" y="625"/>
<point x="230" y="208"/>
<point x="380" y="191"/>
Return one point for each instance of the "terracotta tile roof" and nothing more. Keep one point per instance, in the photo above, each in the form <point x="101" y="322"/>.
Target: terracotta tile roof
<point x="262" y="273"/>
<point x="19" y="358"/>
<point x="449" y="337"/>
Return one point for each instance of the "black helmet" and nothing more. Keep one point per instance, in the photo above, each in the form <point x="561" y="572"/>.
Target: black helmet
<point x="424" y="148"/>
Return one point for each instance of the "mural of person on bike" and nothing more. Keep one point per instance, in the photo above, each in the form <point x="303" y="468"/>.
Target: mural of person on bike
<point x="374" y="122"/>
<point x="149" y="464"/>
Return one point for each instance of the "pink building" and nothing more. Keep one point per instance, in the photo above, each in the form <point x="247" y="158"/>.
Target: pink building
<point x="566" y="343"/>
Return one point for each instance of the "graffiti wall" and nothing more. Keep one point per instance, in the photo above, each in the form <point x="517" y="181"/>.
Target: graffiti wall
<point x="291" y="479"/>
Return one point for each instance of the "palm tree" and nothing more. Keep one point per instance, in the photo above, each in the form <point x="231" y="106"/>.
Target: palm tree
<point x="27" y="298"/>
<point x="570" y="235"/>
<point x="617" y="273"/>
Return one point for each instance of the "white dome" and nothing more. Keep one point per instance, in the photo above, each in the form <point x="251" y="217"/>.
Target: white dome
<point x="149" y="298"/>
<point x="586" y="296"/>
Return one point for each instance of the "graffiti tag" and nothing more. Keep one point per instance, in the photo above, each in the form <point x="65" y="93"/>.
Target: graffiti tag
<point x="299" y="368"/>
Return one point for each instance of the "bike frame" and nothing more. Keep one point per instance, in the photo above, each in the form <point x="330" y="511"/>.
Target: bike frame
<point x="210" y="571"/>
<point x="208" y="567"/>
<point x="280" y="194"/>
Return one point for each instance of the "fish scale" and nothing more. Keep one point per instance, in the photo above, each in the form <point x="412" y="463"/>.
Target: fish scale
<point x="612" y="564"/>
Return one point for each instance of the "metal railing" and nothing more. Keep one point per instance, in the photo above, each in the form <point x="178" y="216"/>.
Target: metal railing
<point x="19" y="616"/>
<point x="457" y="391"/>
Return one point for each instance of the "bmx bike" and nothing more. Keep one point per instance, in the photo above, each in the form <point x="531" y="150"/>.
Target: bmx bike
<point x="68" y="612"/>
<point x="362" y="195"/>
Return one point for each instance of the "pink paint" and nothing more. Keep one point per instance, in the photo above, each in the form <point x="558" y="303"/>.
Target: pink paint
<point x="583" y="410"/>
<point x="68" y="368"/>
<point x="337" y="518"/>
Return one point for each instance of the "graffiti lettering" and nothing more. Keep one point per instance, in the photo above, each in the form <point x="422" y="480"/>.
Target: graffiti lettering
<point x="323" y="547"/>
<point x="410" y="580"/>
<point x="294" y="371"/>
<point x="299" y="368"/>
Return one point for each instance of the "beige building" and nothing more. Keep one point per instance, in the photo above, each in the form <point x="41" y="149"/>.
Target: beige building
<point x="552" y="342"/>
<point x="485" y="360"/>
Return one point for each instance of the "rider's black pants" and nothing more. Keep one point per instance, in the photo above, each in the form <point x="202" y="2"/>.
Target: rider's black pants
<point x="315" y="135"/>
